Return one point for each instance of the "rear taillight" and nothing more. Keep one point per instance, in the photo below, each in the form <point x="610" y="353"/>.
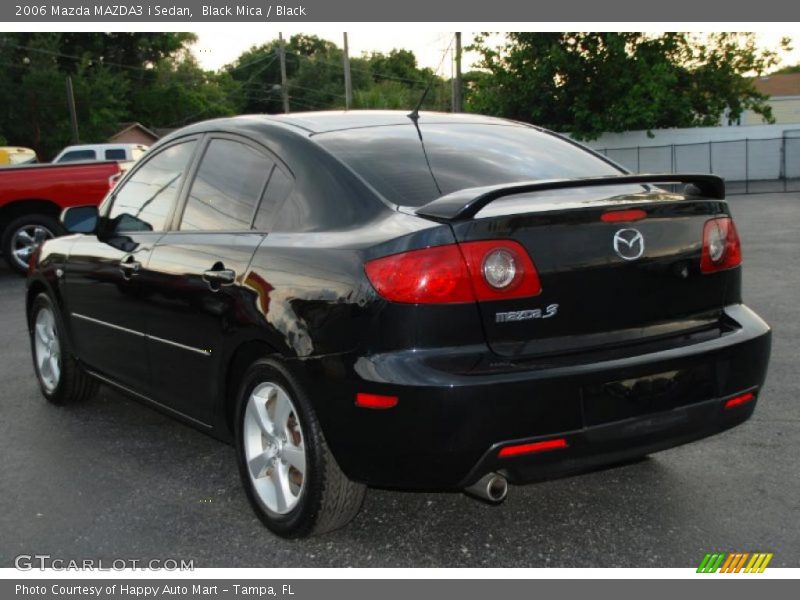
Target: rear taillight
<point x="501" y="270"/>
<point x="435" y="275"/>
<point x="721" y="247"/>
<point x="456" y="273"/>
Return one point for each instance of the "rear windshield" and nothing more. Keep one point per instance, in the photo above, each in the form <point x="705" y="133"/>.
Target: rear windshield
<point x="393" y="161"/>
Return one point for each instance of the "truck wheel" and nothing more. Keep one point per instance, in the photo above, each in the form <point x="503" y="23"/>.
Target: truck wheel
<point x="290" y="476"/>
<point x="23" y="235"/>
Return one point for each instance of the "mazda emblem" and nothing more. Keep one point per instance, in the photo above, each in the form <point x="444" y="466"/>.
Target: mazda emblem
<point x="629" y="244"/>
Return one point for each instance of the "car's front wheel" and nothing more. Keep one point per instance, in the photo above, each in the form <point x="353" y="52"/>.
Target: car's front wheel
<point x="291" y="478"/>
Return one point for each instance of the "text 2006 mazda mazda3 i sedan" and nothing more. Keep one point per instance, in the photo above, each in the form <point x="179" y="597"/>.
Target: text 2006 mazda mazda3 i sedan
<point x="411" y="301"/>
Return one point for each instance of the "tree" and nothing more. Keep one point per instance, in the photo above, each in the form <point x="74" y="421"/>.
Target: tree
<point x="34" y="94"/>
<point x="590" y="83"/>
<point x="787" y="70"/>
<point x="315" y="76"/>
<point x="193" y="94"/>
<point x="116" y="77"/>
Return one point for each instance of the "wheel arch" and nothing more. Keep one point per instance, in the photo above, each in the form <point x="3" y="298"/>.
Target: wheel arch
<point x="239" y="360"/>
<point x="39" y="285"/>
<point x="24" y="206"/>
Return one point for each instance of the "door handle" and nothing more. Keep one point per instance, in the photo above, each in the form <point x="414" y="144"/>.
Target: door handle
<point x="219" y="277"/>
<point x="129" y="267"/>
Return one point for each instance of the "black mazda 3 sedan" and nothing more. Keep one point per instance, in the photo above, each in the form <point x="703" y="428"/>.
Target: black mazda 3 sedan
<point x="424" y="301"/>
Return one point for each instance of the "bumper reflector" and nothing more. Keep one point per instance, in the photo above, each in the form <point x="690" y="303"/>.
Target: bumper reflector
<point x="739" y="400"/>
<point x="544" y="446"/>
<point x="375" y="401"/>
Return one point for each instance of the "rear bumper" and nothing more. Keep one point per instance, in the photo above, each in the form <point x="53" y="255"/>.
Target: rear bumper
<point x="458" y="407"/>
<point x="614" y="442"/>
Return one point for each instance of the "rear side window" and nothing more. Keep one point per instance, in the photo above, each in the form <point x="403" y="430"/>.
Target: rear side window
<point x="451" y="157"/>
<point x="116" y="154"/>
<point x="227" y="188"/>
<point x="279" y="187"/>
<point x="145" y="201"/>
<point x="78" y="155"/>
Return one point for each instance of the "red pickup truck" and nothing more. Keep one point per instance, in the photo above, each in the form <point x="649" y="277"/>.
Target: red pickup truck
<point x="32" y="198"/>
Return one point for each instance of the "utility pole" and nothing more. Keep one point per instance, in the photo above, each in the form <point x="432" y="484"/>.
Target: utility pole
<point x="457" y="85"/>
<point x="284" y="86"/>
<point x="348" y="82"/>
<point x="73" y="116"/>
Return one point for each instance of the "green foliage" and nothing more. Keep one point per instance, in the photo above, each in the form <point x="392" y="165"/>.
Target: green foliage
<point x="589" y="83"/>
<point x="787" y="70"/>
<point x="315" y="78"/>
<point x="181" y="92"/>
<point x="116" y="78"/>
<point x="33" y="90"/>
<point x="585" y="83"/>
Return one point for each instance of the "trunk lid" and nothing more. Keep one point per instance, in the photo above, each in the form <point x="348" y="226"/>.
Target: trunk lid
<point x="603" y="283"/>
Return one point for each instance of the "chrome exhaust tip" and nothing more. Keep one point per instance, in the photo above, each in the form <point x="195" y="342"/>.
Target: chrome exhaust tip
<point x="492" y="487"/>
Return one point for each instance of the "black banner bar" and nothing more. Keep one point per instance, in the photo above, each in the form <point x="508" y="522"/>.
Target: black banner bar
<point x="729" y="587"/>
<point x="463" y="11"/>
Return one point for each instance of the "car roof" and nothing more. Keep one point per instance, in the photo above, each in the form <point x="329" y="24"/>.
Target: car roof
<point x="324" y="121"/>
<point x="313" y="123"/>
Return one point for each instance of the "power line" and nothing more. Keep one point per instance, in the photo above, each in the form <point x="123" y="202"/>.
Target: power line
<point x="361" y="70"/>
<point x="317" y="91"/>
<point x="101" y="61"/>
<point x="5" y="43"/>
<point x="306" y="105"/>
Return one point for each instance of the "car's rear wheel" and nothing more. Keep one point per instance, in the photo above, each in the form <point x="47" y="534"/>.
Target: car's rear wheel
<point x="61" y="378"/>
<point x="291" y="478"/>
<point x="23" y="235"/>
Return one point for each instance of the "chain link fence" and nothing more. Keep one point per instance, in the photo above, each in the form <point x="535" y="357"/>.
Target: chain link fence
<point x="749" y="166"/>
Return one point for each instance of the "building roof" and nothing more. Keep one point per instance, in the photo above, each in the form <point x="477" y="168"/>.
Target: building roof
<point x="135" y="125"/>
<point x="783" y="84"/>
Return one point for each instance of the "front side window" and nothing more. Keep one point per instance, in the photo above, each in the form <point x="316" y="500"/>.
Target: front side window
<point x="144" y="202"/>
<point x="227" y="188"/>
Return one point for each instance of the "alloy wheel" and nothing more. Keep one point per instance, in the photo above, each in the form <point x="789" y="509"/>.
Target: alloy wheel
<point x="48" y="349"/>
<point x="24" y="242"/>
<point x="274" y="448"/>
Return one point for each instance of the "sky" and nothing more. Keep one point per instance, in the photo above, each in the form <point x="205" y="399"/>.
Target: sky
<point x="215" y="49"/>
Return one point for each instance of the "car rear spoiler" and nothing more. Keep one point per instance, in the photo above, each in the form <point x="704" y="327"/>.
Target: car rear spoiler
<point x="465" y="204"/>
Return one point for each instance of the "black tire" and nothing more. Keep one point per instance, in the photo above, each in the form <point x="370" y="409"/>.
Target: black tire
<point x="328" y="499"/>
<point x="74" y="384"/>
<point x="46" y="222"/>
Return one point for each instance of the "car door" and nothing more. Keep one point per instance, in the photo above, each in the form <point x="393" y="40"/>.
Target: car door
<point x="196" y="274"/>
<point x="102" y="288"/>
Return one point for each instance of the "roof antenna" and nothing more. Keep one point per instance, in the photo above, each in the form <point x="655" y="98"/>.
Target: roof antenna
<point x="414" y="114"/>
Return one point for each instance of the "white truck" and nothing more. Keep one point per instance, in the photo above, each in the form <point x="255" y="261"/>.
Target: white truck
<point x="90" y="152"/>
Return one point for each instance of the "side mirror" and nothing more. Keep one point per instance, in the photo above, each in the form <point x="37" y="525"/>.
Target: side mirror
<point x="80" y="219"/>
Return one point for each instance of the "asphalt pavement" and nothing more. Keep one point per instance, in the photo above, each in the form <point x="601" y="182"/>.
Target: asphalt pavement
<point x="113" y="479"/>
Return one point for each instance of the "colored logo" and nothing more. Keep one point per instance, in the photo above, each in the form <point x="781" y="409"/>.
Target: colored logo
<point x="735" y="562"/>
